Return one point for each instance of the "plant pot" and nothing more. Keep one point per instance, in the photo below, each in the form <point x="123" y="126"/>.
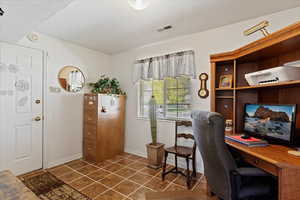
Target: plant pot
<point x="155" y="155"/>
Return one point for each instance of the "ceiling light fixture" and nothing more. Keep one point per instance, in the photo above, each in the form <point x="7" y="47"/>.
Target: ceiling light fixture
<point x="139" y="4"/>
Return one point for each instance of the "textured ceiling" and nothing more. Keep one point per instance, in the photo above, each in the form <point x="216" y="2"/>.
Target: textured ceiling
<point x="22" y="16"/>
<point x="112" y="26"/>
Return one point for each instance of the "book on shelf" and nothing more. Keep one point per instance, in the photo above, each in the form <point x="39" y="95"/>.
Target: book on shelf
<point x="251" y="142"/>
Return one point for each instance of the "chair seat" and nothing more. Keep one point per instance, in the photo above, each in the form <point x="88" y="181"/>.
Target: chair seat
<point x="180" y="150"/>
<point x="254" y="190"/>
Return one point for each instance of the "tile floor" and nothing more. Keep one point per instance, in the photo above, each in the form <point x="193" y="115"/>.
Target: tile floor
<point x="124" y="177"/>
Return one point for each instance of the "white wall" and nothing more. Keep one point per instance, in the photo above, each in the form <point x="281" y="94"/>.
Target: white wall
<point x="64" y="111"/>
<point x="222" y="39"/>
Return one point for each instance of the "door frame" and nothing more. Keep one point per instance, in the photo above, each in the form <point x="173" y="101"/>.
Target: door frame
<point x="44" y="95"/>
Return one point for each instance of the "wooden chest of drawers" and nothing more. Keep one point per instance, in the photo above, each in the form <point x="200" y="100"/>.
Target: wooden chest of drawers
<point x="103" y="130"/>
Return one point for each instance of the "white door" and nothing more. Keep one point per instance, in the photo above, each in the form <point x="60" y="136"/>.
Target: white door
<point x="21" y="113"/>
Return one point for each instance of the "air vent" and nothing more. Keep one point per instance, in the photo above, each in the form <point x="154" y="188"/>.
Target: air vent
<point x="165" y="28"/>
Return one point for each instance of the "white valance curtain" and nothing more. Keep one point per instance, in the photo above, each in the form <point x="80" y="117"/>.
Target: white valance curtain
<point x="172" y="65"/>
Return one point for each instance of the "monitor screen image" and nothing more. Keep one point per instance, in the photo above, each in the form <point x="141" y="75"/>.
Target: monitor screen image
<point x="274" y="121"/>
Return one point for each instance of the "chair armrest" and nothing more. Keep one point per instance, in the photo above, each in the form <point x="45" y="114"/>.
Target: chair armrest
<point x="247" y="171"/>
<point x="236" y="183"/>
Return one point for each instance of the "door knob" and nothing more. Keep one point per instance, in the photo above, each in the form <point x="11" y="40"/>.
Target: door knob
<point x="37" y="101"/>
<point x="37" y="119"/>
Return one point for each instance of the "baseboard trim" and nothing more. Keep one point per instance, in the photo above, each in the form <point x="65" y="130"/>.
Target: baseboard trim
<point x="63" y="160"/>
<point x="138" y="153"/>
<point x="171" y="160"/>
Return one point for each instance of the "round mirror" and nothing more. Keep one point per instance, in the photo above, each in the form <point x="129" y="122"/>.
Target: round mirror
<point x="71" y="79"/>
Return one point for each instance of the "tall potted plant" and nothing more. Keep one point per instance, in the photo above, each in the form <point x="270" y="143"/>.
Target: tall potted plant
<point x="155" y="150"/>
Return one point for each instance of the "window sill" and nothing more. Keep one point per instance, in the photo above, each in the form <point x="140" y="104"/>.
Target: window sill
<point x="164" y="120"/>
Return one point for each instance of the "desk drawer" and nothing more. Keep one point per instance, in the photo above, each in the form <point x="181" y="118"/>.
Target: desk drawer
<point x="269" y="167"/>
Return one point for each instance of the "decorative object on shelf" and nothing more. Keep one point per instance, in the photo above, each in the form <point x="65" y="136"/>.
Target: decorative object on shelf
<point x="225" y="81"/>
<point x="259" y="27"/>
<point x="273" y="75"/>
<point x="139" y="4"/>
<point x="71" y="79"/>
<point x="167" y="66"/>
<point x="228" y="126"/>
<point x="155" y="151"/>
<point x="203" y="92"/>
<point x="106" y="85"/>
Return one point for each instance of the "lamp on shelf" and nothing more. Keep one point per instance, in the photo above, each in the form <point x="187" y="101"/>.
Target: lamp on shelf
<point x="259" y="27"/>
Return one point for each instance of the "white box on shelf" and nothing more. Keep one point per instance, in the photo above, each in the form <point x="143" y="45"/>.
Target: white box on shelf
<point x="273" y="75"/>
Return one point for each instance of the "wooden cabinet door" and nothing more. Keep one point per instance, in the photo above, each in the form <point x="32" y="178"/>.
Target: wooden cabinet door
<point x="110" y="135"/>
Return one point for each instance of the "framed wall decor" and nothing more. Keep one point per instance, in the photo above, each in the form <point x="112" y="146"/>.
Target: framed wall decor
<point x="225" y="81"/>
<point x="203" y="92"/>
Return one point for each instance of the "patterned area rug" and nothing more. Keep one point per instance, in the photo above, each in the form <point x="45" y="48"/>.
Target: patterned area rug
<point x="48" y="187"/>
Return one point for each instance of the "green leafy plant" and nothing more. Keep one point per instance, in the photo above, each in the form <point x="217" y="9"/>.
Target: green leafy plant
<point x="105" y="85"/>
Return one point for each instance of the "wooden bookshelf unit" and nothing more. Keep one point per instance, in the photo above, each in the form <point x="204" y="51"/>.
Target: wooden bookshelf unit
<point x="272" y="51"/>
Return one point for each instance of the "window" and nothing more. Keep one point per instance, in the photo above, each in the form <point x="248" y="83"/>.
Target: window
<point x="172" y="95"/>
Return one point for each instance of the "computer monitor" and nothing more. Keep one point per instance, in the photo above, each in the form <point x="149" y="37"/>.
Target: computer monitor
<point x="275" y="123"/>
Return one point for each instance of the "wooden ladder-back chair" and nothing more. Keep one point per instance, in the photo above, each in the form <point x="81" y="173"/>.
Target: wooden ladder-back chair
<point x="189" y="153"/>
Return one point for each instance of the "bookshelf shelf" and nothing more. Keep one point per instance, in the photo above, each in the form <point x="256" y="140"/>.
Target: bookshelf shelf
<point x="221" y="89"/>
<point x="282" y="84"/>
<point x="224" y="97"/>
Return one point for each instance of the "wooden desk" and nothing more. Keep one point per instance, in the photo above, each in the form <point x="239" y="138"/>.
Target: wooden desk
<point x="275" y="160"/>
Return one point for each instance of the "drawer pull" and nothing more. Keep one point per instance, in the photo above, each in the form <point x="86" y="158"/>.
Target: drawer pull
<point x="256" y="162"/>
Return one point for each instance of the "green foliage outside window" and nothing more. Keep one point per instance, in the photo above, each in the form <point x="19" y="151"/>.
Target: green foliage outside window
<point x="172" y="96"/>
<point x="158" y="91"/>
